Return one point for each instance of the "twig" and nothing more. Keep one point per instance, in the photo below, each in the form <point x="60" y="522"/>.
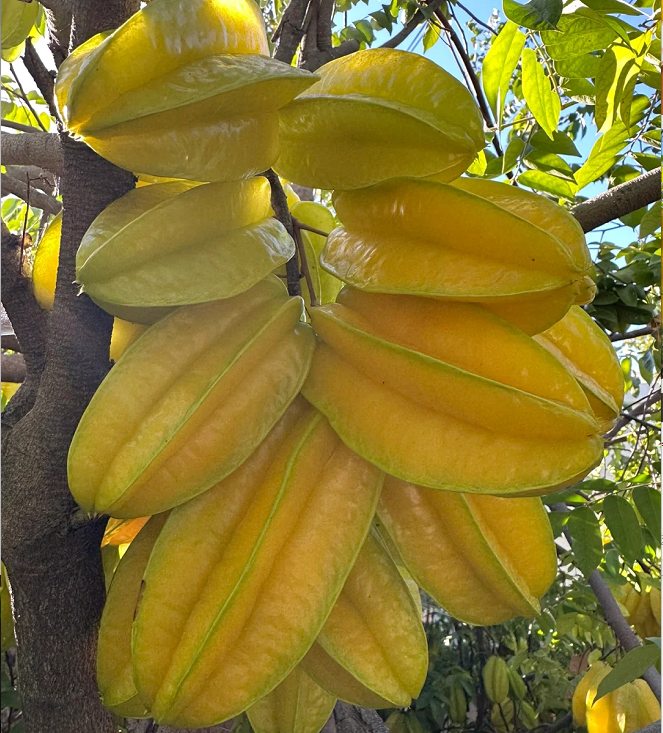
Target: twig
<point x="481" y="100"/>
<point x="25" y="220"/>
<point x="19" y="126"/>
<point x="619" y="201"/>
<point x="36" y="198"/>
<point x="642" y="407"/>
<point x="42" y="78"/>
<point x="304" y="265"/>
<point x="646" y="331"/>
<point x="282" y="212"/>
<point x="25" y="98"/>
<point x="309" y="228"/>
<point x="564" y="722"/>
<point x="476" y="20"/>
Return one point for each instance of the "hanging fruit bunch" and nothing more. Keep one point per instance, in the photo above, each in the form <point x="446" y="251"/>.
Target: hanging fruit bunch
<point x="299" y="467"/>
<point x="644" y="610"/>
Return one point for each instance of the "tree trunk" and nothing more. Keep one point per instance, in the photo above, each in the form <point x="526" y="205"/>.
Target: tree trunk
<point x="54" y="564"/>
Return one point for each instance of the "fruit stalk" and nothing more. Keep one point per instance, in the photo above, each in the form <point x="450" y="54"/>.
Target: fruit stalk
<point x="280" y="206"/>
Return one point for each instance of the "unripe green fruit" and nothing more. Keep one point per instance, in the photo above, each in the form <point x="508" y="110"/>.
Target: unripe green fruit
<point x="496" y="679"/>
<point x="518" y="687"/>
<point x="457" y="704"/>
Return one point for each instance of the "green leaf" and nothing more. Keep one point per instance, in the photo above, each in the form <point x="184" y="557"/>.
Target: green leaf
<point x="550" y="162"/>
<point x="547" y="182"/>
<point x="651" y="221"/>
<point x="586" y="542"/>
<point x="431" y="36"/>
<point x="648" y="161"/>
<point x="596" y="484"/>
<point x="538" y="15"/>
<point x="647" y="366"/>
<point x="364" y="27"/>
<point x="499" y="65"/>
<point x="607" y="148"/>
<point x="580" y="90"/>
<point x="630" y="667"/>
<point x="541" y="99"/>
<point x="648" y="502"/>
<point x="612" y="6"/>
<point x="558" y="521"/>
<point x="578" y="67"/>
<point x="512" y="154"/>
<point x="610" y="80"/>
<point x="478" y="167"/>
<point x="560" y="144"/>
<point x="622" y="521"/>
<point x="579" y="35"/>
<point x="585" y="539"/>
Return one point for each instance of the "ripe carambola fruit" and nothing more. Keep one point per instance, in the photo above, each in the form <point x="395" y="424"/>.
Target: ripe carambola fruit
<point x="267" y="552"/>
<point x="377" y="114"/>
<point x="449" y="396"/>
<point x="183" y="89"/>
<point x="496" y="679"/>
<point x="297" y="705"/>
<point x="585" y="350"/>
<point x="43" y="279"/>
<point x="484" y="559"/>
<point x="515" y="252"/>
<point x="122" y="531"/>
<point x="16" y="22"/>
<point x="375" y="630"/>
<point x="644" y="611"/>
<point x="646" y="708"/>
<point x="581" y="695"/>
<point x="627" y="709"/>
<point x="45" y="266"/>
<point x="220" y="241"/>
<point x="114" y="667"/>
<point x="169" y="423"/>
<point x="334" y="678"/>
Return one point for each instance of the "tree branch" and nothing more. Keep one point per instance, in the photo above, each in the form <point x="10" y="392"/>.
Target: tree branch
<point x="43" y="78"/>
<point x="621" y="627"/>
<point x="415" y="21"/>
<point x="58" y="22"/>
<point x="636" y="411"/>
<point x="292" y="30"/>
<point x="19" y="126"/>
<point x="614" y="617"/>
<point x="39" y="178"/>
<point x="636" y="333"/>
<point x="282" y="212"/>
<point x="619" y="201"/>
<point x="38" y="199"/>
<point x="29" y="323"/>
<point x="42" y="149"/>
<point x="13" y="367"/>
<point x="563" y="722"/>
